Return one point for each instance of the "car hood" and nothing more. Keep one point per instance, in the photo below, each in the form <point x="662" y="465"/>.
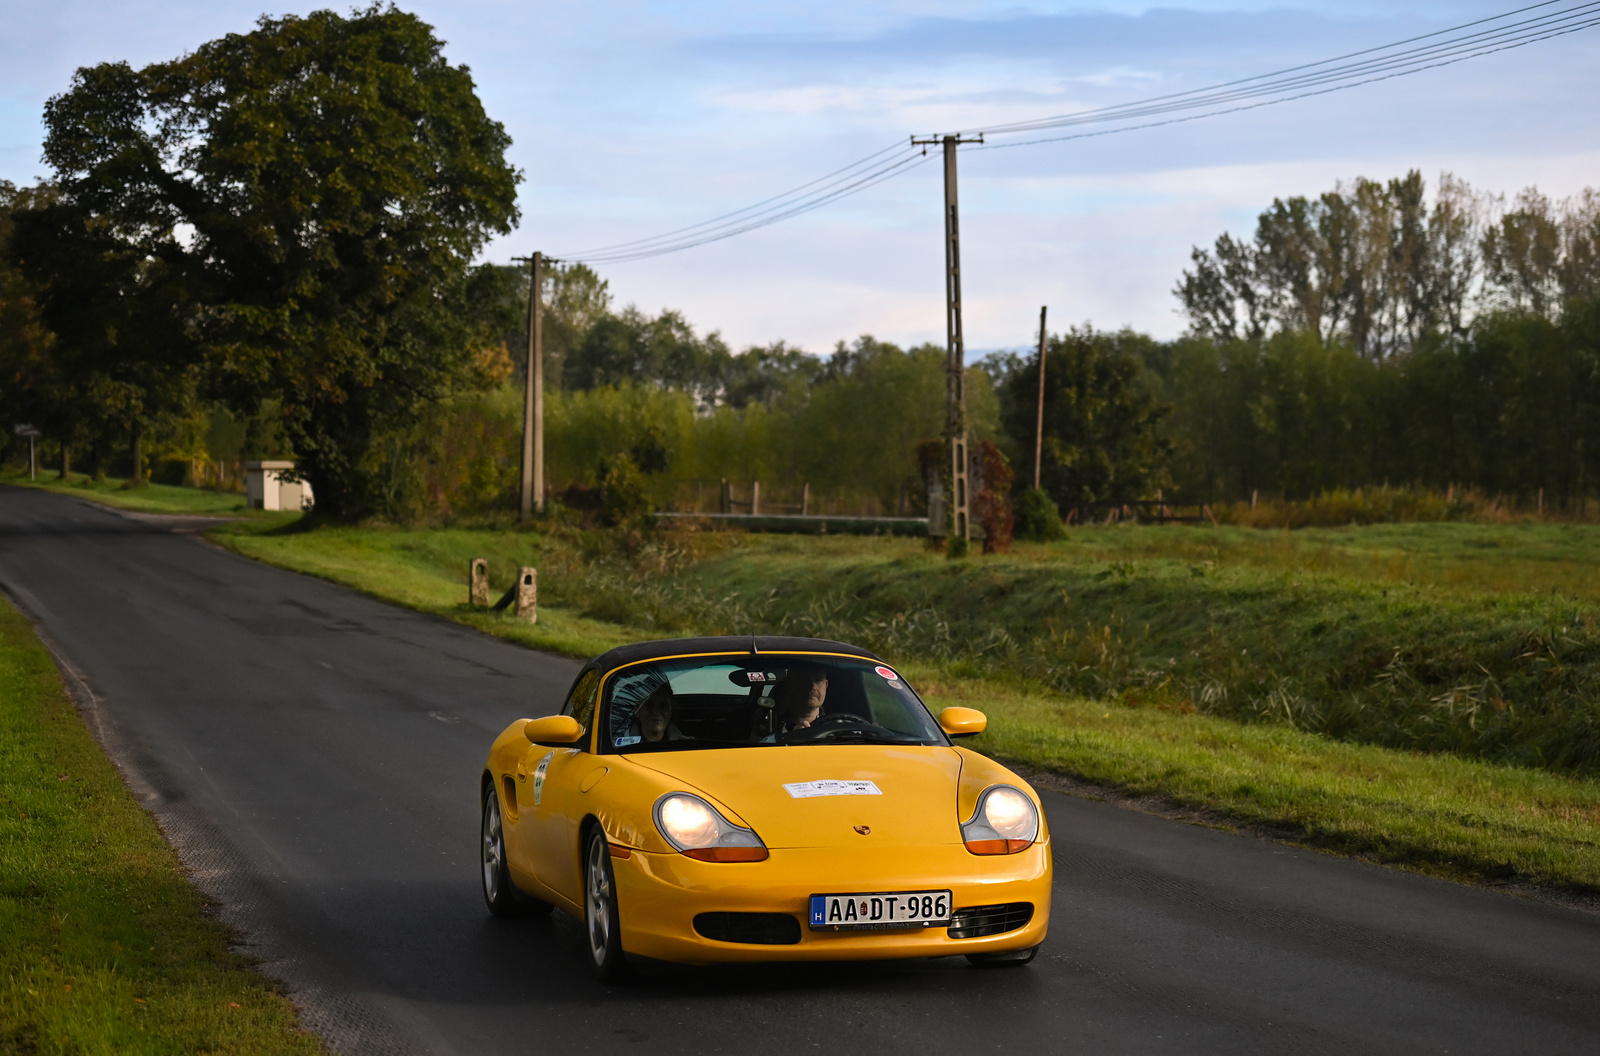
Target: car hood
<point x="916" y="807"/>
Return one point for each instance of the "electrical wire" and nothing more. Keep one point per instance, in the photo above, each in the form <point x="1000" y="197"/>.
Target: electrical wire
<point x="1326" y="70"/>
<point x="1278" y="89"/>
<point x="751" y="223"/>
<point x="1400" y="58"/>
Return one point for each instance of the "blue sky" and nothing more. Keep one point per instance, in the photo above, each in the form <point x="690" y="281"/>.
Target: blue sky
<point x="631" y="118"/>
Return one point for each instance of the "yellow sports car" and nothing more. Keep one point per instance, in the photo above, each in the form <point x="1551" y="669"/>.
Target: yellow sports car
<point x="762" y="798"/>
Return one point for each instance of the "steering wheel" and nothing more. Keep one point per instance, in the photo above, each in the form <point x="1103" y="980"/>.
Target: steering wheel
<point x="838" y="718"/>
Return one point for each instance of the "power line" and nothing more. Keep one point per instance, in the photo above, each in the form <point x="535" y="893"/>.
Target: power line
<point x="752" y="217"/>
<point x="1444" y="47"/>
<point x="1275" y="88"/>
<point x="776" y="201"/>
<point x="1323" y="69"/>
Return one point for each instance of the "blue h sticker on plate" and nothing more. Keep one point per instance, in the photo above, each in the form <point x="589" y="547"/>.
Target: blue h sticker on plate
<point x="819" y="909"/>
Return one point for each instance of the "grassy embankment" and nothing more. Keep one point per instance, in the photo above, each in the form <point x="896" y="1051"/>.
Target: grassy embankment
<point x="151" y="498"/>
<point x="104" y="944"/>
<point x="1205" y="666"/>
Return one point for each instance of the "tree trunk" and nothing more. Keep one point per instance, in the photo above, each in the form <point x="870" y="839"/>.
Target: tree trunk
<point x="66" y="461"/>
<point x="138" y="455"/>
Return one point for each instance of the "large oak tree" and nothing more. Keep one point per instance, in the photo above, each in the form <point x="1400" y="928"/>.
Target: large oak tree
<point x="318" y="187"/>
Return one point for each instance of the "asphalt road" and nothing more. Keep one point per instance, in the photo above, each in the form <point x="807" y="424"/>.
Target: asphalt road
<point x="315" y="756"/>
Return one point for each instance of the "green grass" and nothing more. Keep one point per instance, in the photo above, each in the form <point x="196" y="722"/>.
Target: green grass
<point x="1252" y="630"/>
<point x="105" y="946"/>
<point x="1457" y="818"/>
<point x="151" y="498"/>
<point x="979" y="632"/>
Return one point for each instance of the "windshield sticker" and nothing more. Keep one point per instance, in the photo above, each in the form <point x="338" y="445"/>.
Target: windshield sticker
<point x="812" y="789"/>
<point x="623" y="742"/>
<point x="886" y="673"/>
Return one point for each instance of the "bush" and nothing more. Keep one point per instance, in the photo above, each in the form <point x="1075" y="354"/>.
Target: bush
<point x="1037" y="517"/>
<point x="623" y="500"/>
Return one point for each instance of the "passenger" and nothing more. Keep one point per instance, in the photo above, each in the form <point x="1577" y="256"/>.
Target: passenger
<point x="653" y="720"/>
<point x="800" y="698"/>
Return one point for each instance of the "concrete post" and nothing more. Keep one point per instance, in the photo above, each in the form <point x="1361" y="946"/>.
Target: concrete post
<point x="938" y="521"/>
<point x="478" y="582"/>
<point x="528" y="594"/>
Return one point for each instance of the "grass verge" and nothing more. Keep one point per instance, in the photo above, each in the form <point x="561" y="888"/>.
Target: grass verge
<point x="104" y="944"/>
<point x="151" y="498"/>
<point x="1442" y="814"/>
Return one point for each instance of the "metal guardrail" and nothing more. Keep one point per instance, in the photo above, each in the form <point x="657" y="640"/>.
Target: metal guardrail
<point x="811" y="524"/>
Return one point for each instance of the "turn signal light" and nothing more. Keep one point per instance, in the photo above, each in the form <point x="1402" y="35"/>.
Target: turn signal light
<point x="997" y="846"/>
<point x="728" y="854"/>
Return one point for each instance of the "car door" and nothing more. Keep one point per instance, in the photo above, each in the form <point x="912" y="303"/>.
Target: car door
<point x="548" y="797"/>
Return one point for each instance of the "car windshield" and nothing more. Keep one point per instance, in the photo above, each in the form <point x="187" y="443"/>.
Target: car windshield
<point x="772" y="699"/>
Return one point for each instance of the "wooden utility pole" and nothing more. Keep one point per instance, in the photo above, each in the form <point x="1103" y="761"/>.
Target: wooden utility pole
<point x="1038" y="428"/>
<point x="533" y="396"/>
<point x="956" y="368"/>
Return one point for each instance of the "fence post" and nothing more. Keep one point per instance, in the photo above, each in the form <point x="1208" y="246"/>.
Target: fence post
<point x="805" y="499"/>
<point x="478" y="582"/>
<point x="528" y="594"/>
<point x="1541" y="502"/>
<point x="755" y="498"/>
<point x="727" y="496"/>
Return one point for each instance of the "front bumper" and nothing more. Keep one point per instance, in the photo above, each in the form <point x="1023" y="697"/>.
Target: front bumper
<point x="659" y="895"/>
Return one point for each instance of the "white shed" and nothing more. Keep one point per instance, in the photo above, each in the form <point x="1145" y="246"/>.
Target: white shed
<point x="265" y="488"/>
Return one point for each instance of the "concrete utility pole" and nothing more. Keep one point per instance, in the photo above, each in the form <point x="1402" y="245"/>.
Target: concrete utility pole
<point x="1038" y="429"/>
<point x="533" y="397"/>
<point x="956" y="378"/>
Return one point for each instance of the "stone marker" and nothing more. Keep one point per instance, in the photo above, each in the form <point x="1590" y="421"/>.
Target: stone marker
<point x="478" y="582"/>
<point x="528" y="594"/>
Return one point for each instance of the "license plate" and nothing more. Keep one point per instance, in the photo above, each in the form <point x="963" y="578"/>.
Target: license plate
<point x="880" y="911"/>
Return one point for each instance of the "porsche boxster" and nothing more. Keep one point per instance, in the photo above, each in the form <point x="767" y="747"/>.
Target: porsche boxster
<point x="762" y="798"/>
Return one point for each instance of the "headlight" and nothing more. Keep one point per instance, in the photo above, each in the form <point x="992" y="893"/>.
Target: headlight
<point x="694" y="828"/>
<point x="1005" y="822"/>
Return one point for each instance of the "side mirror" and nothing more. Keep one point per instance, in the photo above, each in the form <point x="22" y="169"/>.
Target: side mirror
<point x="553" y="729"/>
<point x="962" y="722"/>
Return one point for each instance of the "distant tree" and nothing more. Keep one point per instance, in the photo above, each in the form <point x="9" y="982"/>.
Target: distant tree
<point x="867" y="412"/>
<point x="1377" y="266"/>
<point x="319" y="187"/>
<point x="112" y="291"/>
<point x="1102" y="419"/>
<point x="770" y="375"/>
<point x="633" y="348"/>
<point x="575" y="298"/>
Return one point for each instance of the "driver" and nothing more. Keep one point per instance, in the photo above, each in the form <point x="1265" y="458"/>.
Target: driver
<point x="800" y="698"/>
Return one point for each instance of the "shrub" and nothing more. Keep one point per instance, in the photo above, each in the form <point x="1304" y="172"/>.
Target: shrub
<point x="1037" y="517"/>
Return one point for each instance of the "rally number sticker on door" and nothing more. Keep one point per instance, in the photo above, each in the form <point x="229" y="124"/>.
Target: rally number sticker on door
<point x="538" y="776"/>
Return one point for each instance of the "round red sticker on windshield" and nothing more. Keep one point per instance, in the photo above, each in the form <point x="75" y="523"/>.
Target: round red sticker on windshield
<point x="886" y="673"/>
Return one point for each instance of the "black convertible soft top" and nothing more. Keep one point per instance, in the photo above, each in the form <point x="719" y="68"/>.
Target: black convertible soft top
<point x="744" y="643"/>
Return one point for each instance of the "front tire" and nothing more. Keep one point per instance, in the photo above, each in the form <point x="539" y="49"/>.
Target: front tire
<point x="1008" y="959"/>
<point x="602" y="922"/>
<point x="498" y="892"/>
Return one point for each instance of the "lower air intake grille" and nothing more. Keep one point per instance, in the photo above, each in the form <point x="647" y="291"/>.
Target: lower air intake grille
<point x="989" y="920"/>
<point x="766" y="929"/>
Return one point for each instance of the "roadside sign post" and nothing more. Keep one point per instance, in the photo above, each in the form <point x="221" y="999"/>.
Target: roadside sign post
<point x="33" y="451"/>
